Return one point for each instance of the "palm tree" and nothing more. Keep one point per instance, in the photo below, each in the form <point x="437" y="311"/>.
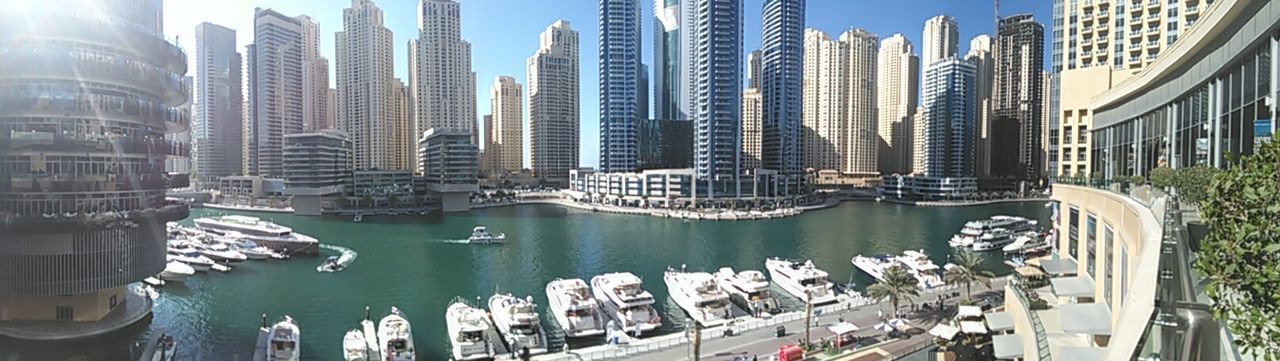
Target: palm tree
<point x="968" y="270"/>
<point x="894" y="285"/>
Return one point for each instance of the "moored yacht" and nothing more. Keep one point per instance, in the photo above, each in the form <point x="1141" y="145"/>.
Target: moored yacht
<point x="286" y="342"/>
<point x="924" y="270"/>
<point x="749" y="288"/>
<point x="802" y="280"/>
<point x="994" y="240"/>
<point x="175" y="271"/>
<point x="264" y="233"/>
<point x="624" y="301"/>
<point x="191" y="257"/>
<point x="577" y="312"/>
<point x="468" y="331"/>
<point x="873" y="266"/>
<point x="222" y="253"/>
<point x="354" y="347"/>
<point x="699" y="295"/>
<point x="518" y="322"/>
<point x="1027" y="242"/>
<point x="395" y="338"/>
<point x="974" y="231"/>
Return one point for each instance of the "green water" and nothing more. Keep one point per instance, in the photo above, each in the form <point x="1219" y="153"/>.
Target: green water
<point x="410" y="262"/>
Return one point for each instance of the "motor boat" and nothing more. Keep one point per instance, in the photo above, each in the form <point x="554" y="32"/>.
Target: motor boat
<point x="264" y="233"/>
<point x="191" y="257"/>
<point x="994" y="240"/>
<point x="518" y="322"/>
<point x="924" y="270"/>
<point x="222" y="253"/>
<point x="358" y="218"/>
<point x="974" y="231"/>
<point x="175" y="271"/>
<point x="468" y="329"/>
<point x="354" y="347"/>
<point x="573" y="307"/>
<point x="151" y="292"/>
<point x="625" y="302"/>
<point x="801" y="279"/>
<point x="165" y="348"/>
<point x="1027" y="242"/>
<point x="285" y="344"/>
<point x="481" y="235"/>
<point x="330" y="264"/>
<point x="874" y="266"/>
<point x="395" y="338"/>
<point x="750" y="289"/>
<point x="699" y="295"/>
<point x="256" y="253"/>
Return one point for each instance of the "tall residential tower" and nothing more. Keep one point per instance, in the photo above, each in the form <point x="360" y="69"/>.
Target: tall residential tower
<point x="217" y="105"/>
<point x="554" y="99"/>
<point x="367" y="89"/>
<point x="444" y="87"/>
<point x="620" y="84"/>
<point x="897" y="84"/>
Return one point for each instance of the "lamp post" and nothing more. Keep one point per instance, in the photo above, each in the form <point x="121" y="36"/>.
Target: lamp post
<point x="808" y="314"/>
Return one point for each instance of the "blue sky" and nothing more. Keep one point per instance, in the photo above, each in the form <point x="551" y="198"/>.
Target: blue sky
<point x="504" y="33"/>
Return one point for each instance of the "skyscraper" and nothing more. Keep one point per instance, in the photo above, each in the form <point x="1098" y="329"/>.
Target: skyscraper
<point x="620" y="82"/>
<point x="315" y="79"/>
<point x="217" y="104"/>
<point x="941" y="40"/>
<point x="367" y="87"/>
<point x="554" y="98"/>
<point x="861" y="132"/>
<point x="753" y="68"/>
<point x="277" y="61"/>
<point x="1017" y="106"/>
<point x="780" y="86"/>
<point x="839" y="109"/>
<point x="948" y="94"/>
<point x="751" y="129"/>
<point x="444" y="91"/>
<point x="897" y="83"/>
<point x="506" y="142"/>
<point x="717" y="94"/>
<point x="980" y="56"/>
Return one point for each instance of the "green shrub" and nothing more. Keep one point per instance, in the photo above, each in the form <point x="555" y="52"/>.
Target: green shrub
<point x="1137" y="180"/>
<point x="1162" y="177"/>
<point x="1192" y="183"/>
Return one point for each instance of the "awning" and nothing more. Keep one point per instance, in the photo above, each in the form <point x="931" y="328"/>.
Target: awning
<point x="1079" y="286"/>
<point x="1086" y="318"/>
<point x="1080" y="353"/>
<point x="969" y="311"/>
<point x="842" y="328"/>
<point x="944" y="331"/>
<point x="1027" y="271"/>
<point x="1058" y="266"/>
<point x="973" y="327"/>
<point x="1007" y="346"/>
<point x="999" y="321"/>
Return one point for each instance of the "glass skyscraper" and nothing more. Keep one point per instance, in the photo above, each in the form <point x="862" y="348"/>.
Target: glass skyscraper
<point x="717" y="94"/>
<point x="783" y="58"/>
<point x="620" y="84"/>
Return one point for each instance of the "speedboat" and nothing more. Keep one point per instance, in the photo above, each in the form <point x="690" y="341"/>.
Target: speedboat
<point x="330" y="264"/>
<point x="191" y="257"/>
<point x="262" y="232"/>
<point x="468" y="331"/>
<point x="874" y="266"/>
<point x="165" y="348"/>
<point x="481" y="235"/>
<point x="151" y="292"/>
<point x="749" y="289"/>
<point x="920" y="267"/>
<point x="221" y="253"/>
<point x="395" y="338"/>
<point x="699" y="295"/>
<point x="801" y="279"/>
<point x="358" y="218"/>
<point x="624" y="301"/>
<point x="577" y="312"/>
<point x="353" y="346"/>
<point x="518" y="322"/>
<point x="286" y="342"/>
<point x="256" y="253"/>
<point x="175" y="271"/>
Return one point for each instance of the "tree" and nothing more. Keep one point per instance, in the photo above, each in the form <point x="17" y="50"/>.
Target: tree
<point x="1162" y="177"/>
<point x="894" y="285"/>
<point x="968" y="270"/>
<point x="1240" y="254"/>
<point x="1192" y="183"/>
<point x="1137" y="180"/>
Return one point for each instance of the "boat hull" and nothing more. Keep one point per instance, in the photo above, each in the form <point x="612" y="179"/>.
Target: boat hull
<point x="826" y="296"/>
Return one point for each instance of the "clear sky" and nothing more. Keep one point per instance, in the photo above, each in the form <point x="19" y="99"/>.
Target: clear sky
<point x="504" y="33"/>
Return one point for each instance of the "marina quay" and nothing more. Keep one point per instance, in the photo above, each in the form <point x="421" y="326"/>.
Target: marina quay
<point x="639" y="180"/>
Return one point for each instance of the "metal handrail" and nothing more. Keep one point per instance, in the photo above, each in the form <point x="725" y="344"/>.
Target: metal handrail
<point x="1037" y="325"/>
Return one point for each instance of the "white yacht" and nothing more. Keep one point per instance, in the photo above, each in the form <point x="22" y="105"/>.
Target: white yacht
<point x="925" y="271"/>
<point x="750" y="289"/>
<point x="624" y="301"/>
<point x="191" y="257"/>
<point x="395" y="338"/>
<point x="577" y="312"/>
<point x="175" y="271"/>
<point x="994" y="240"/>
<point x="468" y="331"/>
<point x="874" y="266"/>
<point x="518" y="322"/>
<point x="481" y="235"/>
<point x="974" y="231"/>
<point x="222" y="253"/>
<point x="354" y="347"/>
<point x="261" y="232"/>
<point x="286" y="342"/>
<point x="802" y="280"/>
<point x="1027" y="242"/>
<point x="256" y="253"/>
<point x="699" y="295"/>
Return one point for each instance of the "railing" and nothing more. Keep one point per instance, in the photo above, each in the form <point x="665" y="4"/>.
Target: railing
<point x="1037" y="325"/>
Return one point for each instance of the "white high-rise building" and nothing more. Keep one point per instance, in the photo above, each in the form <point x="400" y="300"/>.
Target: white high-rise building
<point x="918" y="141"/>
<point x="315" y="79"/>
<point x="897" y="83"/>
<point x="505" y="144"/>
<point x="751" y="109"/>
<point x="838" y="102"/>
<point x="278" y="59"/>
<point x="444" y="85"/>
<point x="941" y="40"/>
<point x="861" y="157"/>
<point x="366" y="89"/>
<point x="980" y="56"/>
<point x="553" y="104"/>
<point x="217" y="105"/>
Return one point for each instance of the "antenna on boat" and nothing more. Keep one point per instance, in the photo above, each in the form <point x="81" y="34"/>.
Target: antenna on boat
<point x="264" y="320"/>
<point x="366" y="313"/>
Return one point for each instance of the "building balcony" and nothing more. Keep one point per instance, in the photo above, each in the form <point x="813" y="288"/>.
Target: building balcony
<point x="168" y="211"/>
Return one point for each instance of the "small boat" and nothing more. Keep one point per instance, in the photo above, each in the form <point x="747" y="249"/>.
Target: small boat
<point x="151" y="292"/>
<point x="358" y="218"/>
<point x="518" y="322"/>
<point x="165" y="348"/>
<point x="749" y="289"/>
<point x="330" y="264"/>
<point x="176" y="271"/>
<point x="354" y="347"/>
<point x="285" y="341"/>
<point x="481" y="235"/>
<point x="802" y="280"/>
<point x="222" y="253"/>
<point x="395" y="337"/>
<point x="191" y="257"/>
<point x="573" y="307"/>
<point x="699" y="295"/>
<point x="153" y="281"/>
<point x="468" y="329"/>
<point x="257" y="253"/>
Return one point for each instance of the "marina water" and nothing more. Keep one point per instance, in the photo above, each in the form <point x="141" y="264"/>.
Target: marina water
<point x="415" y="263"/>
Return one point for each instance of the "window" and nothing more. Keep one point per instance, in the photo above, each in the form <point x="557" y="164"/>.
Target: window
<point x="1073" y="232"/>
<point x="1107" y="239"/>
<point x="1091" y="244"/>
<point x="65" y="313"/>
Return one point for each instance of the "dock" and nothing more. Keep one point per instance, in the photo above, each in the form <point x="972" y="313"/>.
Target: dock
<point x="260" y="350"/>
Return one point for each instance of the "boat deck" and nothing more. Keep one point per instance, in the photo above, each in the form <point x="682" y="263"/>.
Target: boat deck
<point x="264" y="342"/>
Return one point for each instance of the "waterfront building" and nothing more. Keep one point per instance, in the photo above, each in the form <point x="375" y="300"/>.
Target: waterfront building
<point x="948" y="118"/>
<point x="897" y="86"/>
<point x="781" y="70"/>
<point x="918" y="140"/>
<point x="1017" y="105"/>
<point x="839" y="115"/>
<point x="449" y="167"/>
<point x="504" y="144"/>
<point x="665" y="144"/>
<point x="378" y="189"/>
<point x="276" y="90"/>
<point x="402" y="124"/>
<point x="217" y="105"/>
<point x="620" y="84"/>
<point x="919" y="187"/>
<point x="315" y="78"/>
<point x="554" y="98"/>
<point x="661" y="187"/>
<point x="444" y="87"/>
<point x="85" y="93"/>
<point x="1098" y="58"/>
<point x="716" y="91"/>
<point x="180" y="162"/>
<point x="251" y="190"/>
<point x="980" y="56"/>
<point x="1057" y="38"/>
<point x="940" y="41"/>
<point x="751" y="129"/>
<point x="366" y="88"/>
<point x="317" y="170"/>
